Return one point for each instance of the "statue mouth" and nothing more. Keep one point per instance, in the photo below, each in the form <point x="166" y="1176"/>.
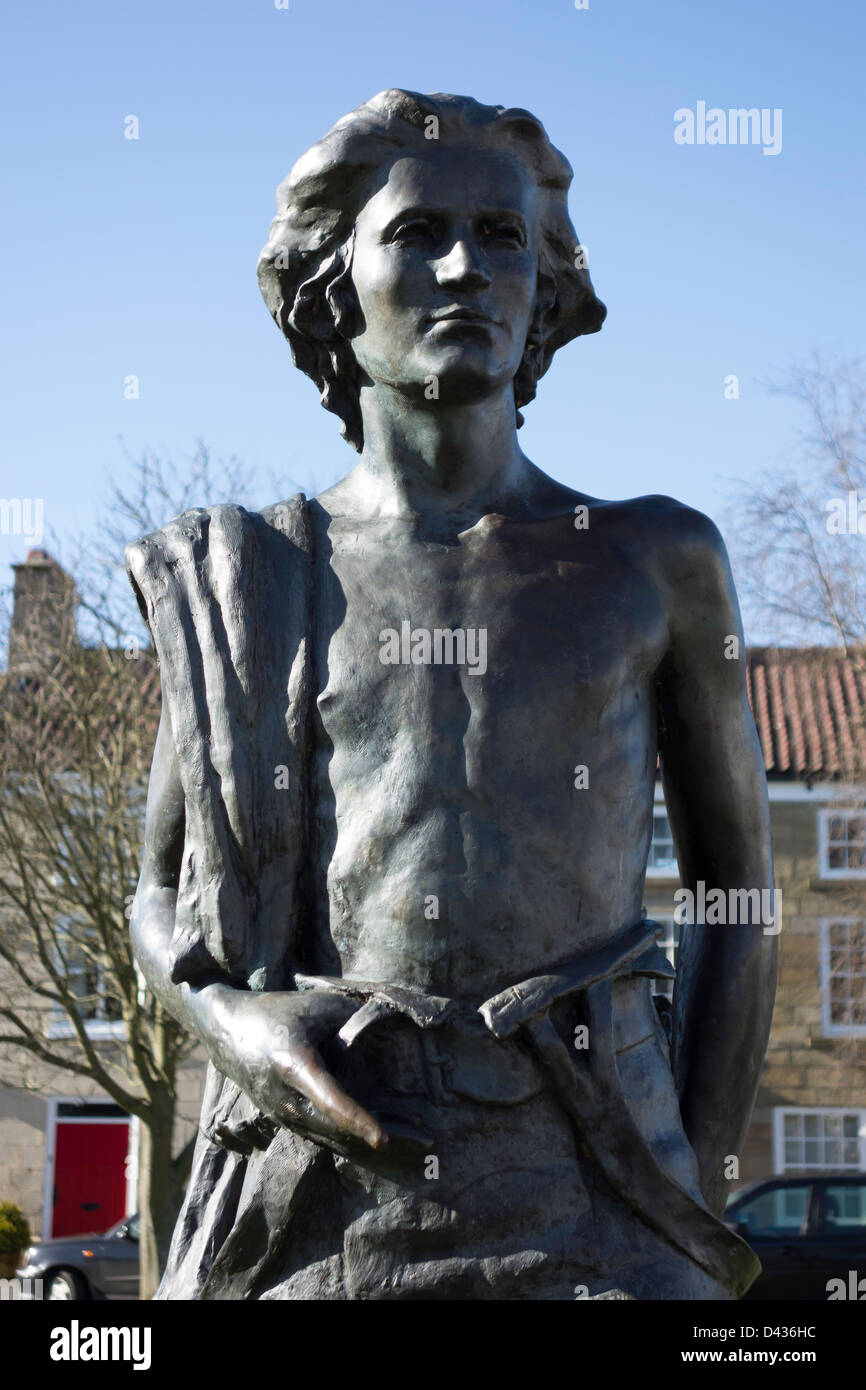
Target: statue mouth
<point x="457" y="314"/>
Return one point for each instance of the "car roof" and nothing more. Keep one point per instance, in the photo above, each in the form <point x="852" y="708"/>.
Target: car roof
<point x="85" y="1235"/>
<point x="792" y="1180"/>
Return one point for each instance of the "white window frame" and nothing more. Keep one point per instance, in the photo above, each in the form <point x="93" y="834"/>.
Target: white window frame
<point x="825" y="815"/>
<point x="97" y="1029"/>
<point x="59" y="1025"/>
<point x="654" y="871"/>
<point x="831" y="1029"/>
<point x="780" y="1169"/>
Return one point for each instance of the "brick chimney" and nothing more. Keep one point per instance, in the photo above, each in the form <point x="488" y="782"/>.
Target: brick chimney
<point x="43" y="614"/>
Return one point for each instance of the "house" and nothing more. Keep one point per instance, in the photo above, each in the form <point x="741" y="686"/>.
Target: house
<point x="810" y="712"/>
<point x="59" y="1137"/>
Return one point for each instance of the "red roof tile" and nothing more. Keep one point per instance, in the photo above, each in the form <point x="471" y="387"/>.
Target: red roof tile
<point x="809" y="705"/>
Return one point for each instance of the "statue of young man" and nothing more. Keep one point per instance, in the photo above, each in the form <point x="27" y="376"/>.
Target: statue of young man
<point x="408" y="935"/>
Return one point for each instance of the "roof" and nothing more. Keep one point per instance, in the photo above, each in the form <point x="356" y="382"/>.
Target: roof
<point x="809" y="705"/>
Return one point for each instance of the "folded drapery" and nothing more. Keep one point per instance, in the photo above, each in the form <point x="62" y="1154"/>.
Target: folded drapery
<point x="236" y="686"/>
<point x="586" y="1081"/>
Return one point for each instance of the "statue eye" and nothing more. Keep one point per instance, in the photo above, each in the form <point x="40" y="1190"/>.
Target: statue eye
<point x="505" y="231"/>
<point x="417" y="229"/>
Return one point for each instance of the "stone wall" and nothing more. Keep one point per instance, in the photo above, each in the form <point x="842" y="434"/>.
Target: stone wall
<point x="802" y="1067"/>
<point x="23" y="1121"/>
<point x="22" y="1154"/>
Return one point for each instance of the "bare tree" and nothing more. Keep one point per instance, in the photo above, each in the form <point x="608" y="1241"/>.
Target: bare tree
<point x="801" y="569"/>
<point x="798" y="545"/>
<point x="77" y="726"/>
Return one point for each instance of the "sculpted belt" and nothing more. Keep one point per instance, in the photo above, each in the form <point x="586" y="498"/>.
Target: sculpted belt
<point x="586" y="1081"/>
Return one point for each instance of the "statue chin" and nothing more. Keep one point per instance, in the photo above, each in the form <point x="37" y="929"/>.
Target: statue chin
<point x="461" y="379"/>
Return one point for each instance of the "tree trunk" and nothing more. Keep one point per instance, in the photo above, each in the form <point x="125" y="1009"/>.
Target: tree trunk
<point x="159" y="1193"/>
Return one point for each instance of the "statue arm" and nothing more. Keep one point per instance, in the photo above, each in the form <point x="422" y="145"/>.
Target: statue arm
<point x="716" y="795"/>
<point x="266" y="1042"/>
<point x="153" y="912"/>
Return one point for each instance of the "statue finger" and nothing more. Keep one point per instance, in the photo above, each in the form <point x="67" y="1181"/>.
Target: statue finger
<point x="310" y="1077"/>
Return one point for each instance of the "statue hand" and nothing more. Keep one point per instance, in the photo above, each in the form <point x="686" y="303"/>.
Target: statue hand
<point x="268" y="1043"/>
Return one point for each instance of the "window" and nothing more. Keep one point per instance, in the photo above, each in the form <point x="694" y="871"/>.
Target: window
<point x="662" y="861"/>
<point x="670" y="944"/>
<point x="844" y="1209"/>
<point x="101" y="1011"/>
<point x="842" y="843"/>
<point x="824" y="1139"/>
<point x="843" y="977"/>
<point x="775" y="1211"/>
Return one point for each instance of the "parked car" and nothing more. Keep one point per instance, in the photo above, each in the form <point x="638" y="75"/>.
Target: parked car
<point x="78" y="1267"/>
<point x="805" y="1231"/>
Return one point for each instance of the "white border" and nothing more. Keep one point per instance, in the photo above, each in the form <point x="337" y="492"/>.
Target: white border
<point x="132" y="1166"/>
<point x="97" y="1029"/>
<point x="821" y="792"/>
<point x="824" y="817"/>
<point x="834" y="1030"/>
<point x="780" y="1111"/>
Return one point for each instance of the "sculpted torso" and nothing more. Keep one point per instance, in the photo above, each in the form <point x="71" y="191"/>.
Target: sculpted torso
<point x="444" y="791"/>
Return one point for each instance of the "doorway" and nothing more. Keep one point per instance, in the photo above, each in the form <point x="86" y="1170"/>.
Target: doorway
<point x="86" y="1178"/>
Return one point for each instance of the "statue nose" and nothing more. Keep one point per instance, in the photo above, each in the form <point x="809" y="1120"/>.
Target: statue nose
<point x="463" y="267"/>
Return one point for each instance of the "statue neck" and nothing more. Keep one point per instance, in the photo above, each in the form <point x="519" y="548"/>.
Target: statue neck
<point x="460" y="460"/>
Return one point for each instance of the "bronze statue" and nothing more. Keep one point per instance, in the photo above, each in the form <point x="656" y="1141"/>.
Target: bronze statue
<point x="409" y="936"/>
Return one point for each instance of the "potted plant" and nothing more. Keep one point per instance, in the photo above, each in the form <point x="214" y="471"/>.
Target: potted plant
<point x="14" y="1238"/>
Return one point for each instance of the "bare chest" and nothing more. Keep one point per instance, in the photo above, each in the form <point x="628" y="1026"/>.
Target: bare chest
<point x="520" y="635"/>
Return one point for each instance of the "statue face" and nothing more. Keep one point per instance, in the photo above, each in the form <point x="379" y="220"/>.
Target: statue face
<point x="444" y="268"/>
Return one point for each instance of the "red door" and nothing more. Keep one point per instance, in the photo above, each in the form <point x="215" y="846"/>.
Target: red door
<point x="89" y="1177"/>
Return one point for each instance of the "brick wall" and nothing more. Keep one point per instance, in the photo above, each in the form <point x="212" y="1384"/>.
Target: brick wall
<point x="802" y="1067"/>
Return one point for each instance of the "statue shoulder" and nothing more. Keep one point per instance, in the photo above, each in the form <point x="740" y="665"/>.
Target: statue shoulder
<point x="685" y="552"/>
<point x="667" y="533"/>
<point x="687" y="546"/>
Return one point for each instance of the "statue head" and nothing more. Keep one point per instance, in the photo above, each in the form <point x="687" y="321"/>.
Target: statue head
<point x="365" y="274"/>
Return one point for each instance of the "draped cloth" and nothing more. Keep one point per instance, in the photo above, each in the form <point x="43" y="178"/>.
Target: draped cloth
<point x="227" y="596"/>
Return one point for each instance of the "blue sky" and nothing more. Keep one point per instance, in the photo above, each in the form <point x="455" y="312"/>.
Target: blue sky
<point x="123" y="256"/>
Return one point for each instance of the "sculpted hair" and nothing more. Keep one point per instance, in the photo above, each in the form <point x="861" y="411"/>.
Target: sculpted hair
<point x="304" y="271"/>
